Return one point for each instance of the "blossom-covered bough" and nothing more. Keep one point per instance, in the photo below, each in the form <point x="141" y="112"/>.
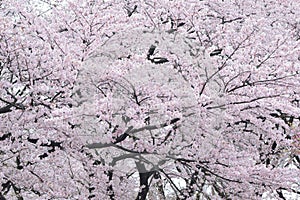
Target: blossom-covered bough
<point x="149" y="99"/>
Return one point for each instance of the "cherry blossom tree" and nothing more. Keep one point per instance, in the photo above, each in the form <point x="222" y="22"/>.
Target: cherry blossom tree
<point x="149" y="99"/>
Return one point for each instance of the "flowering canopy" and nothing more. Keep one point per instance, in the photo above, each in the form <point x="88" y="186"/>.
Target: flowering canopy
<point x="149" y="99"/>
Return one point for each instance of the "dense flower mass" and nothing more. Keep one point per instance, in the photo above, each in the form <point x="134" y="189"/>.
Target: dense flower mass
<point x="149" y="99"/>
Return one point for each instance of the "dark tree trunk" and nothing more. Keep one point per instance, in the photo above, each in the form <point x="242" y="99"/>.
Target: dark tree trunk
<point x="144" y="177"/>
<point x="2" y="197"/>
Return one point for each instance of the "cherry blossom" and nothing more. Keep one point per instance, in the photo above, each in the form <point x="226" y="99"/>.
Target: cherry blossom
<point x="149" y="99"/>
